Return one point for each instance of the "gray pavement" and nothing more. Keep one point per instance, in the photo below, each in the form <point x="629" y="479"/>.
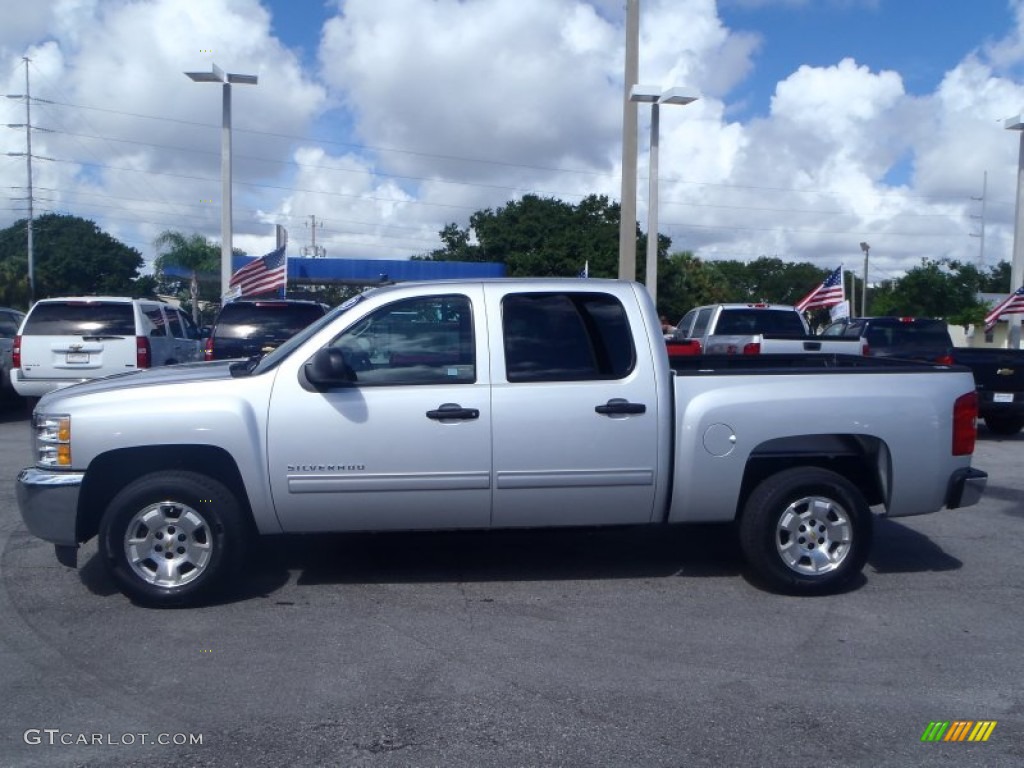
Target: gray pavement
<point x="617" y="648"/>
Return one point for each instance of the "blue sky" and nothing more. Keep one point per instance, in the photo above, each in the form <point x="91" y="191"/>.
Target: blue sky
<point x="821" y="123"/>
<point x="920" y="39"/>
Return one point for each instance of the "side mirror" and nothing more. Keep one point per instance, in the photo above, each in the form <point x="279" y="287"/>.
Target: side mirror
<point x="329" y="368"/>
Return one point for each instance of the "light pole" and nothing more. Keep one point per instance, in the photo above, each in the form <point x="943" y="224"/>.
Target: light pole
<point x="1017" y="265"/>
<point x="218" y="75"/>
<point x="627" y="203"/>
<point x="655" y="97"/>
<point x="864" y="287"/>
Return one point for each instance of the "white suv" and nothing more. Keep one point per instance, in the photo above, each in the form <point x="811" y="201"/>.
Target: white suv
<point x="68" y="340"/>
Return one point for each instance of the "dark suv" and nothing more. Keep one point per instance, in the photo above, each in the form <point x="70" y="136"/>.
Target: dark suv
<point x="913" y="338"/>
<point x="249" y="327"/>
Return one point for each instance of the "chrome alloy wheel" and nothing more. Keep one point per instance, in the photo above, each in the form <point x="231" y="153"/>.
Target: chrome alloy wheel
<point x="814" y="535"/>
<point x="168" y="544"/>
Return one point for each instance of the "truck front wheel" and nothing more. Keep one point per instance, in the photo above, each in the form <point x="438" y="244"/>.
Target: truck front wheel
<point x="806" y="531"/>
<point x="173" y="537"/>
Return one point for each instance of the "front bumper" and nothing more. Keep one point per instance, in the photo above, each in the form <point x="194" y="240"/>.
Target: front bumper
<point x="965" y="487"/>
<point x="49" y="504"/>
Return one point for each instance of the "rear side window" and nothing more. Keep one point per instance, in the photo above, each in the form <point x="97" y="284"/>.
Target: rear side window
<point x="269" y="321"/>
<point x="565" y="337"/>
<point x="156" y="318"/>
<point x="700" y="327"/>
<point x="80" y="319"/>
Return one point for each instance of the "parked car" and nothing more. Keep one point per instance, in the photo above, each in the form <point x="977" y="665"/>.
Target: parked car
<point x="253" y="327"/>
<point x="10" y="320"/>
<point x="912" y="338"/>
<point x="998" y="373"/>
<point x="64" y="341"/>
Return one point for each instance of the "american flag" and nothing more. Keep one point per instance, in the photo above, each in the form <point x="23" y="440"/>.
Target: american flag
<point x="262" y="276"/>
<point x="830" y="292"/>
<point x="1011" y="305"/>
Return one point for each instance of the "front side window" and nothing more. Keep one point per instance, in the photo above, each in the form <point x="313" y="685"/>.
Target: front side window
<point x="683" y="328"/>
<point x="425" y="340"/>
<point x="565" y="337"/>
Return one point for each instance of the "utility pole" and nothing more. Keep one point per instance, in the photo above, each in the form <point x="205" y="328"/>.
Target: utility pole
<point x="28" y="166"/>
<point x="314" y="250"/>
<point x="627" y="205"/>
<point x="981" y="235"/>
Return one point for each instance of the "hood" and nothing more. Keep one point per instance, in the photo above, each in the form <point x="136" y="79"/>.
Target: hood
<point x="165" y="374"/>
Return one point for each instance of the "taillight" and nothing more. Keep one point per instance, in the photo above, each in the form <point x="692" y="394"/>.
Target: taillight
<point x="752" y="348"/>
<point x="16" y="353"/>
<point x="944" y="360"/>
<point x="683" y="347"/>
<point x="965" y="424"/>
<point x="208" y="348"/>
<point x="142" y="352"/>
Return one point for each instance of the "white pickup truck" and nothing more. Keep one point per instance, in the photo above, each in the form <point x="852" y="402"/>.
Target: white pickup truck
<point x="493" y="404"/>
<point x="754" y="329"/>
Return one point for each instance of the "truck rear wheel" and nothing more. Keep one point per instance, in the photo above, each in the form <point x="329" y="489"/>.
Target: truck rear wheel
<point x="806" y="531"/>
<point x="1004" y="424"/>
<point x="171" y="538"/>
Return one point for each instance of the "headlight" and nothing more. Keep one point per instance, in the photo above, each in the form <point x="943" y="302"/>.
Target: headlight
<point x="52" y="439"/>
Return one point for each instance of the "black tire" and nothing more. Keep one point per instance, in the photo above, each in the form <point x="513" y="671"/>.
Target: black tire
<point x="196" y="514"/>
<point x="1004" y="424"/>
<point x="779" y="517"/>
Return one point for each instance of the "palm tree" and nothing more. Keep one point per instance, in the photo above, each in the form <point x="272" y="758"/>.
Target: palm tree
<point x="193" y="253"/>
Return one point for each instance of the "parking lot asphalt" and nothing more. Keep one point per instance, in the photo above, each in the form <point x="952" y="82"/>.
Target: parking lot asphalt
<point x="612" y="648"/>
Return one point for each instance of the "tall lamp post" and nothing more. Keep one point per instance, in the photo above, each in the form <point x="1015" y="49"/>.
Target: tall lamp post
<point x="864" y="287"/>
<point x="654" y="96"/>
<point x="1017" y="265"/>
<point x="227" y="79"/>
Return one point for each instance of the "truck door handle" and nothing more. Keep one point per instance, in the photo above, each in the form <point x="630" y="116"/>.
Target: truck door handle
<point x="617" y="406"/>
<point x="453" y="411"/>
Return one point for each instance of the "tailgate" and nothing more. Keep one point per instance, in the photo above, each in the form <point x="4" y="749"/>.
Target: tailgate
<point x="76" y="357"/>
<point x="998" y="374"/>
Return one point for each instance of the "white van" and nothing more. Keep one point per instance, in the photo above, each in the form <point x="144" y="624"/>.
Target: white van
<point x="68" y="340"/>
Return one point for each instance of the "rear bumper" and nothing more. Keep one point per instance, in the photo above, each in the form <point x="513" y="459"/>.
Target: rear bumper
<point x="49" y="504"/>
<point x="965" y="487"/>
<point x="39" y="387"/>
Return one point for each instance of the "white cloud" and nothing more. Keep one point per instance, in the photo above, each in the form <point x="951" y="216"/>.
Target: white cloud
<point x="439" y="109"/>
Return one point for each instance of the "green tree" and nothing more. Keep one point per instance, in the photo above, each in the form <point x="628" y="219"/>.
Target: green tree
<point x="684" y="282"/>
<point x="72" y="256"/>
<point x="937" y="288"/>
<point x="199" y="257"/>
<point x="542" y="237"/>
<point x="997" y="279"/>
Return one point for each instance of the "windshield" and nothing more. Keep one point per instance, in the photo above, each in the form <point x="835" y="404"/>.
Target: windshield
<point x="273" y="359"/>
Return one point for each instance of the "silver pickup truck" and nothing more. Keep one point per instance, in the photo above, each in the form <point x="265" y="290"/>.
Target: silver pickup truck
<point x="493" y="404"/>
<point x="756" y="329"/>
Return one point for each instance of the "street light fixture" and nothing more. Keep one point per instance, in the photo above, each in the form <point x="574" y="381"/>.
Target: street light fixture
<point x="864" y="286"/>
<point x="654" y="96"/>
<point x="227" y="79"/>
<point x="1017" y="265"/>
